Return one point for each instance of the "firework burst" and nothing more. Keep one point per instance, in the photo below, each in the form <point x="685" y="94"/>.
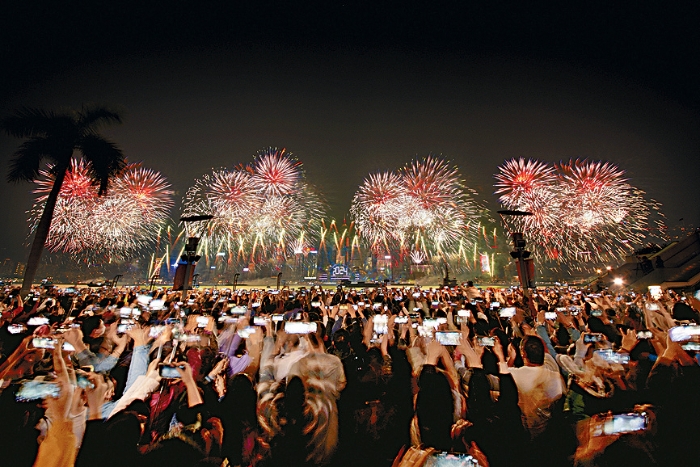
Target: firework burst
<point x="423" y="207"/>
<point x="114" y="225"/>
<point x="275" y="172"/>
<point x="582" y="210"/>
<point x="264" y="207"/>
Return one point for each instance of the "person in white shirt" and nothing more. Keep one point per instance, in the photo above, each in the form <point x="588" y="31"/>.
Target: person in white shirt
<point x="539" y="388"/>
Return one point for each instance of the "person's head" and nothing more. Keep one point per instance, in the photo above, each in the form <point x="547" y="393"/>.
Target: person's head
<point x="532" y="349"/>
<point x="434" y="410"/>
<point x="470" y="284"/>
<point x="93" y="328"/>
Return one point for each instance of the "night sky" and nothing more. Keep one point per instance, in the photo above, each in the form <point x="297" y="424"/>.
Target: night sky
<point x="352" y="88"/>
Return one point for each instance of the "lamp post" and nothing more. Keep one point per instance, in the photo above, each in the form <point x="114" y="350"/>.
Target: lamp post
<point x="235" y="280"/>
<point x="520" y="253"/>
<point x="190" y="257"/>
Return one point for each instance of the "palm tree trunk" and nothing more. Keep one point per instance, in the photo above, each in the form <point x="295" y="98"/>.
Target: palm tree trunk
<point x="42" y="233"/>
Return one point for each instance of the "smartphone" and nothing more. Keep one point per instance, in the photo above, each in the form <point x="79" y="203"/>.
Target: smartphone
<point x="16" y="328"/>
<point x="644" y="335"/>
<point x="653" y="306"/>
<point x="621" y="423"/>
<point x="125" y="312"/>
<point x="156" y="331"/>
<point x="83" y="382"/>
<point x="277" y="318"/>
<point x="495" y="305"/>
<point x="49" y="343"/>
<point x="435" y="304"/>
<point x="168" y="371"/>
<point x="445" y="459"/>
<point x="123" y="327"/>
<point x="550" y="315"/>
<point x="317" y="304"/>
<point x="593" y="337"/>
<point x="431" y="322"/>
<point x="691" y="346"/>
<point x="448" y="337"/>
<point x="259" y="321"/>
<point x="239" y="310"/>
<point x="684" y="333"/>
<point x="358" y="303"/>
<point x="172" y="321"/>
<point x="401" y="319"/>
<point x="37" y="321"/>
<point x="247" y="331"/>
<point x="597" y="313"/>
<point x="508" y="312"/>
<point x="486" y="341"/>
<point x="202" y="321"/>
<point x="298" y="327"/>
<point x="464" y="313"/>
<point x="611" y="356"/>
<point x="380" y="323"/>
<point x="37" y="389"/>
<point x="255" y="305"/>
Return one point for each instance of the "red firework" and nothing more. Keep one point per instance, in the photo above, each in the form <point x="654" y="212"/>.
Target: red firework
<point x="276" y="172"/>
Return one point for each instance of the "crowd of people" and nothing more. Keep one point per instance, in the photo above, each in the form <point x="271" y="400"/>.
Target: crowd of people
<point x="373" y="377"/>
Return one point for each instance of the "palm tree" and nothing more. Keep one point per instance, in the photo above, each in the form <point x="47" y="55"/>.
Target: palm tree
<point x="56" y="136"/>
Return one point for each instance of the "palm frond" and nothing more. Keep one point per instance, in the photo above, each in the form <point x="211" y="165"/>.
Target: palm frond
<point x="28" y="122"/>
<point x="27" y="160"/>
<point x="105" y="158"/>
<point x="92" y="116"/>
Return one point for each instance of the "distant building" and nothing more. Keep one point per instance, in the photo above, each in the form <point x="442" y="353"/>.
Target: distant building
<point x="6" y="268"/>
<point x="19" y="269"/>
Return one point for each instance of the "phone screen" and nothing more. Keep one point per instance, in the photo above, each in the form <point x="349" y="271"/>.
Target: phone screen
<point x="380" y="324"/>
<point x="168" y="372"/>
<point x="507" y="312"/>
<point x="34" y="390"/>
<point x="49" y="343"/>
<point x="624" y="423"/>
<point x="486" y="341"/>
<point x="590" y="338"/>
<point x="430" y="322"/>
<point x="684" y="333"/>
<point x="448" y="337"/>
<point x="298" y="327"/>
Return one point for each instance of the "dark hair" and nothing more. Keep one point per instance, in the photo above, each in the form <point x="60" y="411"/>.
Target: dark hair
<point x="89" y="324"/>
<point x="533" y="348"/>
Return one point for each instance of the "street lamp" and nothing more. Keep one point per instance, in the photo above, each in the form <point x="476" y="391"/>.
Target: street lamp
<point x="525" y="263"/>
<point x="190" y="256"/>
